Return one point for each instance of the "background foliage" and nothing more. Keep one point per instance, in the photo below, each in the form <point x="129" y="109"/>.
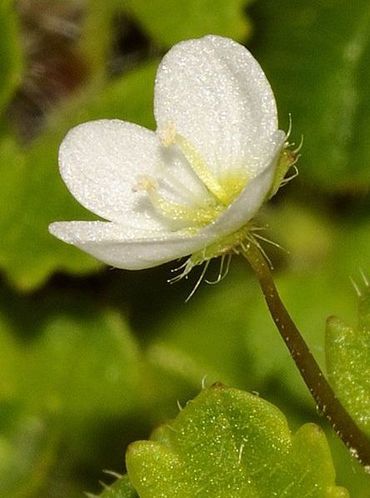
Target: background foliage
<point x="94" y="358"/>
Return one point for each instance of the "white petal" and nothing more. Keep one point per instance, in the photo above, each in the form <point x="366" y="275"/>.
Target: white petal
<point x="102" y="161"/>
<point x="252" y="197"/>
<point x="134" y="248"/>
<point x="125" y="247"/>
<point x="177" y="182"/>
<point x="215" y="94"/>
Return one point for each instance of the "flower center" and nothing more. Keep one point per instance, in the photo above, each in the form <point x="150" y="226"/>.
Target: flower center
<point x="193" y="216"/>
<point x="201" y="169"/>
<point x="222" y="191"/>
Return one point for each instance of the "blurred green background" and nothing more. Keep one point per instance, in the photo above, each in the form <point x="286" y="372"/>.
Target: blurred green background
<point x="91" y="357"/>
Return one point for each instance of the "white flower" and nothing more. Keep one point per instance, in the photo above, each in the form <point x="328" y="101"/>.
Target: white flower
<point x="190" y="187"/>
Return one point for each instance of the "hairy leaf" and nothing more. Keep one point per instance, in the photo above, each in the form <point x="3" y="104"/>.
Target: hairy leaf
<point x="230" y="443"/>
<point x="348" y="361"/>
<point x="121" y="488"/>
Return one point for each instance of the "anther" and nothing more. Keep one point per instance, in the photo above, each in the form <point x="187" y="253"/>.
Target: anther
<point x="167" y="136"/>
<point x="146" y="183"/>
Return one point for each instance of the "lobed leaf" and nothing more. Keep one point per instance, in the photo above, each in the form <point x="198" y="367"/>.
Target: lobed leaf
<point x="348" y="361"/>
<point x="229" y="443"/>
<point x="121" y="488"/>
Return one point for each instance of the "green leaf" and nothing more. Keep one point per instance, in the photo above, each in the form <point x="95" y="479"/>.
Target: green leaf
<point x="316" y="56"/>
<point x="230" y="443"/>
<point x="96" y="49"/>
<point x="101" y="376"/>
<point x="11" y="63"/>
<point x="27" y="451"/>
<point x="34" y="195"/>
<point x="77" y="366"/>
<point x="170" y="21"/>
<point x="68" y="369"/>
<point x="350" y="472"/>
<point x="121" y="488"/>
<point x="348" y="361"/>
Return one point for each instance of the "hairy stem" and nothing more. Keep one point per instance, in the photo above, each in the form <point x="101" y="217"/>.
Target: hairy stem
<point x="323" y="394"/>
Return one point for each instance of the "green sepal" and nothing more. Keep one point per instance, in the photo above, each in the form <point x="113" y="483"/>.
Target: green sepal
<point x="287" y="159"/>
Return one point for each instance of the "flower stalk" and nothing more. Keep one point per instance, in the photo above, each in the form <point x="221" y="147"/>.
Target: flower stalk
<point x="327" y="402"/>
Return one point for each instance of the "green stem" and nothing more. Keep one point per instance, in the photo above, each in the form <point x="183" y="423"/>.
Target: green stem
<point x="323" y="394"/>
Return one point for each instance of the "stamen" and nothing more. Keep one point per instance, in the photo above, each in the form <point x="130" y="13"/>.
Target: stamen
<point x="168" y="134"/>
<point x="198" y="217"/>
<point x="175" y="183"/>
<point x="201" y="169"/>
<point x="146" y="183"/>
<point x="195" y="215"/>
